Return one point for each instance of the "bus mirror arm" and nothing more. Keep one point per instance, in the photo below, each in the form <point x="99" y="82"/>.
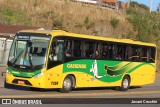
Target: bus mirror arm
<point x="5" y="41"/>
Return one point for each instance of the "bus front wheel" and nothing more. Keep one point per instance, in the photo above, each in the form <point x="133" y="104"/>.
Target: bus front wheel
<point x="6" y="85"/>
<point x="67" y="84"/>
<point x="125" y="84"/>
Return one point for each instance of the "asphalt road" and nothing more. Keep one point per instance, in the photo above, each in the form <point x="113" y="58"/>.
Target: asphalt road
<point x="85" y="96"/>
<point x="148" y="91"/>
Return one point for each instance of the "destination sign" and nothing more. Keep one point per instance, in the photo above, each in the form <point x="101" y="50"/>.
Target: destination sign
<point x="23" y="37"/>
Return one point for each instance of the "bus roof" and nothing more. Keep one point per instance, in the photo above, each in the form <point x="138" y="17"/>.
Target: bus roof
<point x="65" y="33"/>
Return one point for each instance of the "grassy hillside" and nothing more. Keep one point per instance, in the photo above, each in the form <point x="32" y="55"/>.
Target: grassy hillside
<point x="74" y="17"/>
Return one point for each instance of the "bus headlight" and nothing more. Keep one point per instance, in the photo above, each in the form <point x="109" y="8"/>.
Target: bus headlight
<point x="8" y="72"/>
<point x="38" y="75"/>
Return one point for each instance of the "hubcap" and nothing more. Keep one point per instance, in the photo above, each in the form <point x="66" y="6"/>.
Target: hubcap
<point x="67" y="83"/>
<point x="125" y="83"/>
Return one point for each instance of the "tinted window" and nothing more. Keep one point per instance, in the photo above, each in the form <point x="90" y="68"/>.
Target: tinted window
<point x="135" y="53"/>
<point x="89" y="49"/>
<point x="120" y="52"/>
<point x="69" y="48"/>
<point x="77" y="48"/>
<point x="105" y="50"/>
<point x="111" y="51"/>
<point x="152" y="53"/>
<point x="144" y="54"/>
<point x="98" y="50"/>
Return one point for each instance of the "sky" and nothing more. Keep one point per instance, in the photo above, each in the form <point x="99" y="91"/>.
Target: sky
<point x="147" y="3"/>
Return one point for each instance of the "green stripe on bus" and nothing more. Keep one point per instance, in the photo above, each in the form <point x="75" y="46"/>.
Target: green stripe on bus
<point x="23" y="74"/>
<point x="111" y="74"/>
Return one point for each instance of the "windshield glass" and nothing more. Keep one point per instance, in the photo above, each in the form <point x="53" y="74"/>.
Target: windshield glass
<point x="29" y="51"/>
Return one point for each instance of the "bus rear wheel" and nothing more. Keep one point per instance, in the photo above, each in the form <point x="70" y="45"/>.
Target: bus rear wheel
<point x="67" y="84"/>
<point x="125" y="84"/>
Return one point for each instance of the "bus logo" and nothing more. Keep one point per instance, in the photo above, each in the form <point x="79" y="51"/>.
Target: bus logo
<point x="95" y="70"/>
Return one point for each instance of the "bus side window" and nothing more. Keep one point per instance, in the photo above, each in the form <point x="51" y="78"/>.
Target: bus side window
<point x="56" y="52"/>
<point x="69" y="48"/>
<point x="98" y="50"/>
<point x="128" y="52"/>
<point x="89" y="49"/>
<point x="112" y="51"/>
<point x="77" y="48"/>
<point x="83" y="48"/>
<point x="105" y="51"/>
<point x="152" y="52"/>
<point x="116" y="51"/>
<point x="135" y="55"/>
<point x="120" y="50"/>
<point x="144" y="54"/>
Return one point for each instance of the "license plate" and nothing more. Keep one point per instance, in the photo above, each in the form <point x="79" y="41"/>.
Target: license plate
<point x="20" y="82"/>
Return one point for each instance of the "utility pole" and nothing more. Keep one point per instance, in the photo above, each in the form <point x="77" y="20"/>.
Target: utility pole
<point x="128" y="3"/>
<point x="150" y="6"/>
<point x="158" y="9"/>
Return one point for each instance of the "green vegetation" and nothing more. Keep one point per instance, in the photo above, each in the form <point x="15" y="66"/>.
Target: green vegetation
<point x="135" y="4"/>
<point x="10" y="16"/>
<point x="86" y="20"/>
<point x="114" y="22"/>
<point x="145" y="24"/>
<point x="58" y="23"/>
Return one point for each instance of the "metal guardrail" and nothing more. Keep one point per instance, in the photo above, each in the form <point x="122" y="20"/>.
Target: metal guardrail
<point x="98" y="3"/>
<point x="105" y="5"/>
<point x="2" y="65"/>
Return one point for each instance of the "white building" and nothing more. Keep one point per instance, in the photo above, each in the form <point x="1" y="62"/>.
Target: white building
<point x="88" y="1"/>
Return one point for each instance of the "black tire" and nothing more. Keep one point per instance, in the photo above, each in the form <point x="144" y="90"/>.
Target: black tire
<point x="125" y="84"/>
<point x="6" y="85"/>
<point x="67" y="84"/>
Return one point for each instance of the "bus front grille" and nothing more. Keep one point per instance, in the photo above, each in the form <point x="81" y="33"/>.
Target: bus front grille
<point x="17" y="81"/>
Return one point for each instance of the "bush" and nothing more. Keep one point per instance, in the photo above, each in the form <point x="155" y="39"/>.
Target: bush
<point x="58" y="23"/>
<point x="114" y="22"/>
<point x="15" y="17"/>
<point x="78" y="25"/>
<point x="131" y="11"/>
<point x="86" y="20"/>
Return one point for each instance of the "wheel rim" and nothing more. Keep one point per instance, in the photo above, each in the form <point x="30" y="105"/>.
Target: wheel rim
<point x="67" y="83"/>
<point x="125" y="83"/>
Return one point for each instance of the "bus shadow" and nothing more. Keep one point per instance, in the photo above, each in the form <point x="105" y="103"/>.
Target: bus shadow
<point x="104" y="88"/>
<point x="95" y="88"/>
<point x="10" y="86"/>
<point x="23" y="88"/>
<point x="74" y="90"/>
<point x="135" y="87"/>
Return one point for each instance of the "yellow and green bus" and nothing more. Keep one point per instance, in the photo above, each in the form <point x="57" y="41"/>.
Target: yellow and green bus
<point x="61" y="60"/>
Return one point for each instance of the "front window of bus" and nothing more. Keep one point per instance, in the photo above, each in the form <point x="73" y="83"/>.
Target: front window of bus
<point x="29" y="51"/>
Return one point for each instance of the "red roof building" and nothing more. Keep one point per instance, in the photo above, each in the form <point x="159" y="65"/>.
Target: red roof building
<point x="7" y="30"/>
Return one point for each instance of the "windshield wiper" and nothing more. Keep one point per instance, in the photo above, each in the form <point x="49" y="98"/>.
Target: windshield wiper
<point x="17" y="57"/>
<point x="30" y="61"/>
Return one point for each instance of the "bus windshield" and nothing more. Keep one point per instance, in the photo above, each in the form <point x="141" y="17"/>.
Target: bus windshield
<point x="29" y="51"/>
